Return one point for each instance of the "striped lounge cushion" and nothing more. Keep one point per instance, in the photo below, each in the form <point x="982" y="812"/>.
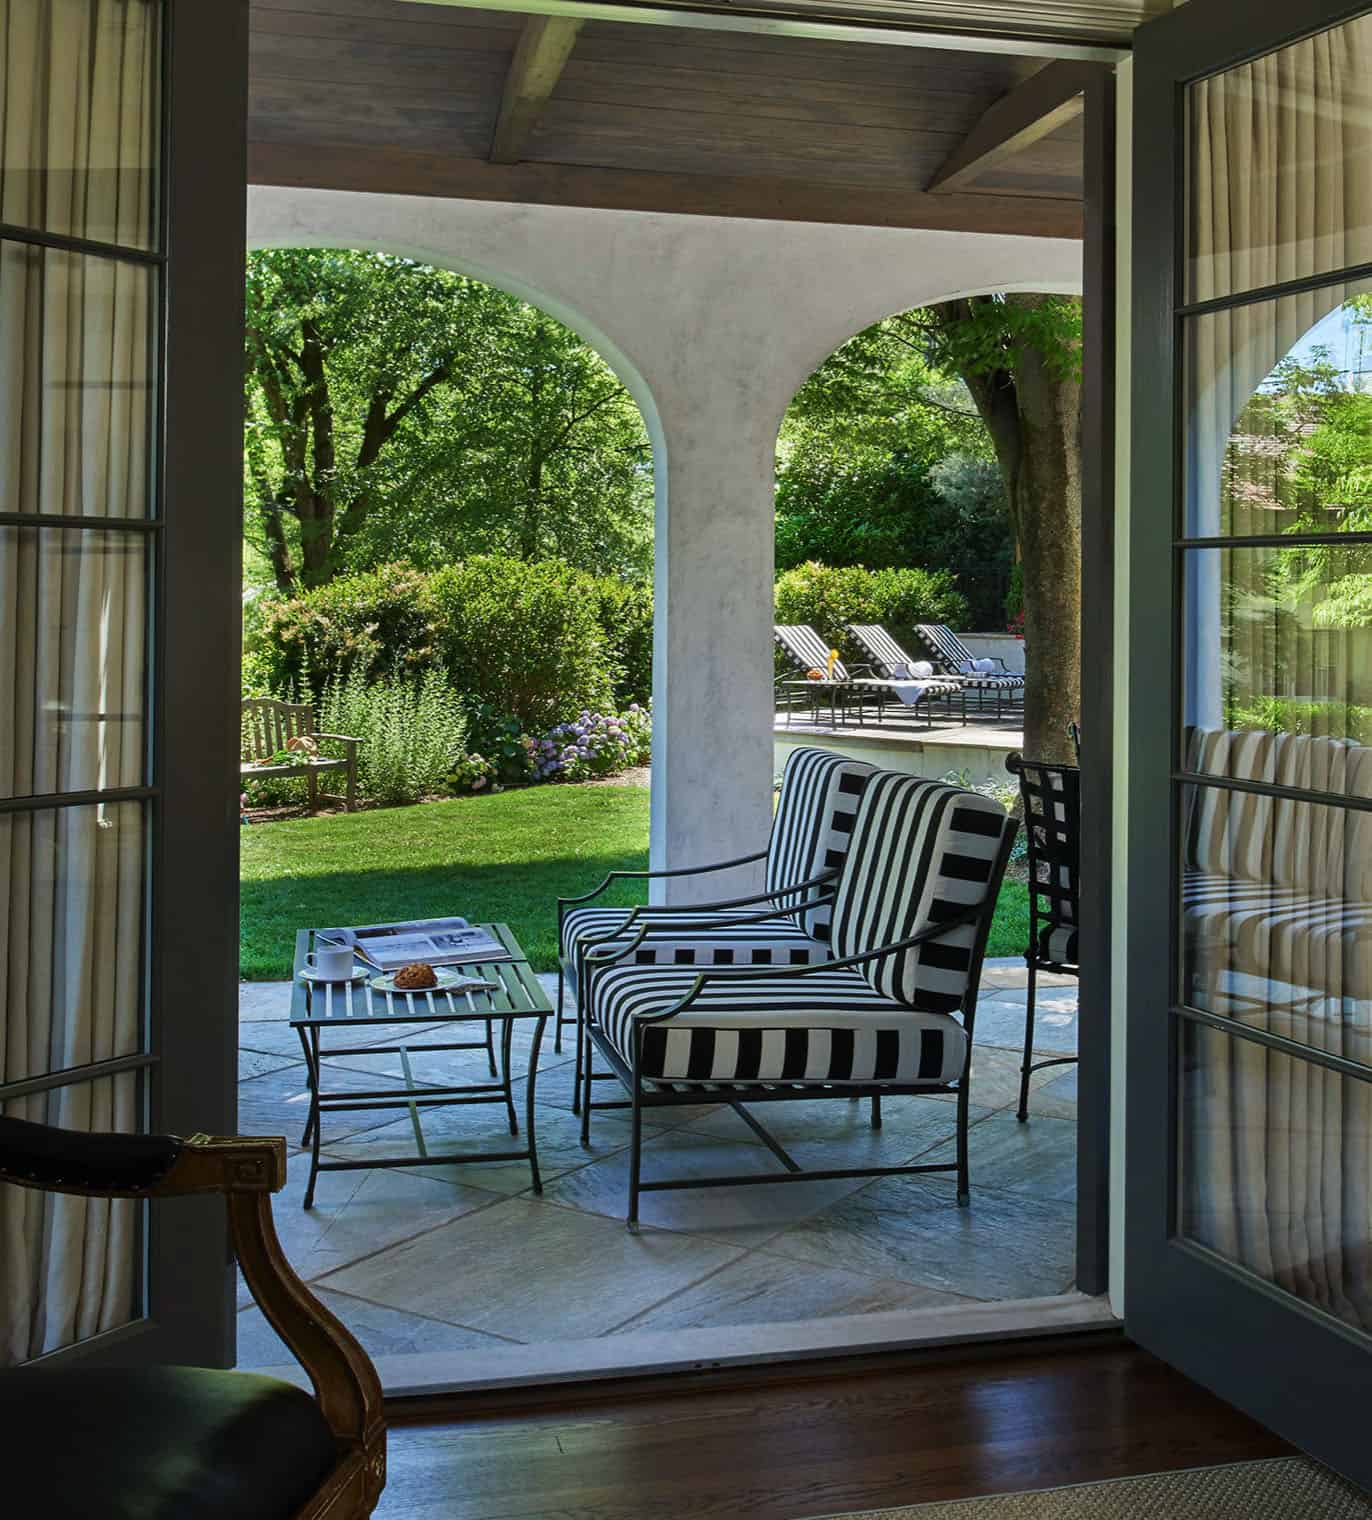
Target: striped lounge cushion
<point x="921" y="852"/>
<point x="777" y="942"/>
<point x="806" y="650"/>
<point x="828" y="1027"/>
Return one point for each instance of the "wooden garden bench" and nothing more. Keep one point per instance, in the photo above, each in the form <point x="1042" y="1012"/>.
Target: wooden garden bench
<point x="269" y="727"/>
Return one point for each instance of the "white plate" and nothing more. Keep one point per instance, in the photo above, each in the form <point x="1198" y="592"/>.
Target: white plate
<point x="448" y="977"/>
<point x="309" y="974"/>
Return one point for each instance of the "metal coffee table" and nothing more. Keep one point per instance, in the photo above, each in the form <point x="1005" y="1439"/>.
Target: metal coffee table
<point x="345" y="1008"/>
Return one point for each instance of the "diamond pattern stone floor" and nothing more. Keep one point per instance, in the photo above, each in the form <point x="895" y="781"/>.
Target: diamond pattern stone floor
<point x="455" y="1257"/>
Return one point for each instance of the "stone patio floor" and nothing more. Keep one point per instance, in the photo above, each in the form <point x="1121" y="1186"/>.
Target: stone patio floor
<point x="452" y="1258"/>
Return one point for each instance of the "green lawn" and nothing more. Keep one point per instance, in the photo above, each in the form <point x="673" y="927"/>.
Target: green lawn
<point x="505" y="857"/>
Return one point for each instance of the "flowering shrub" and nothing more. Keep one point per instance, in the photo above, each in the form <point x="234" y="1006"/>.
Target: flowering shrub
<point x="595" y="744"/>
<point x="474" y="773"/>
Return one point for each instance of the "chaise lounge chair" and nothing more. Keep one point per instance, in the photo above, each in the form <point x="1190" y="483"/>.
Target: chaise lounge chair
<point x="953" y="659"/>
<point x="806" y="651"/>
<point x="915" y="680"/>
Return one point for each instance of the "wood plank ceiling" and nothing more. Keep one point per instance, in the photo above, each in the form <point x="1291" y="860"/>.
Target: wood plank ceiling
<point x="423" y="99"/>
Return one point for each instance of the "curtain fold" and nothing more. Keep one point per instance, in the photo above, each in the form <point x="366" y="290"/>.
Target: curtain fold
<point x="79" y="125"/>
<point x="1277" y="1151"/>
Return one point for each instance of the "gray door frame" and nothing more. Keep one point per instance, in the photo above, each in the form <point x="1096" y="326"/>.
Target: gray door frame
<point x="1281" y="1361"/>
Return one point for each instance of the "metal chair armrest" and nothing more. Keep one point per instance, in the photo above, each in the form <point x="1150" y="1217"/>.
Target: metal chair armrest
<point x="614" y="876"/>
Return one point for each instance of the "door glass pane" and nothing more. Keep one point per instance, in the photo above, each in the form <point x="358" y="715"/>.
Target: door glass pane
<point x="1278" y="641"/>
<point x="1277" y="915"/>
<point x="1280" y="165"/>
<point x="73" y="614"/>
<point x="1277" y="1169"/>
<point x="72" y="971"/>
<point x="1279" y="411"/>
<point x="72" y="1267"/>
<point x="76" y="364"/>
<point x="79" y="118"/>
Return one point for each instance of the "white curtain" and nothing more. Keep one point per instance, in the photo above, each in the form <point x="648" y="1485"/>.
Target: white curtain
<point x="78" y="131"/>
<point x="1277" y="1154"/>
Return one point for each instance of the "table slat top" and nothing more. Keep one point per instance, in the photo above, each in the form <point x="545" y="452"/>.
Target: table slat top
<point x="520" y="995"/>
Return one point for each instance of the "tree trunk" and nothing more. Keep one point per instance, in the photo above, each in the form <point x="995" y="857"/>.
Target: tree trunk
<point x="1048" y="511"/>
<point x="1034" y="419"/>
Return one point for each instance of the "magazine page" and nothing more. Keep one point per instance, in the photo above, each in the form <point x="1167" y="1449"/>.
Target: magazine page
<point x="439" y="941"/>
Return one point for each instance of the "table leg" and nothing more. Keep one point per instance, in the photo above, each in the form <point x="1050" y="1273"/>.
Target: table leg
<point x="312" y="1118"/>
<point x="507" y="1035"/>
<point x="530" y="1128"/>
<point x="315" y="1118"/>
<point x="490" y="1046"/>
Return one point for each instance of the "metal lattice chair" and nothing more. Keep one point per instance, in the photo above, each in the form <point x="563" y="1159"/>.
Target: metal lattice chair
<point x="1052" y="829"/>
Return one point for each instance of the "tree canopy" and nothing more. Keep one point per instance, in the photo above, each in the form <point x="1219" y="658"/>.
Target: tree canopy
<point x="884" y="462"/>
<point x="397" y="410"/>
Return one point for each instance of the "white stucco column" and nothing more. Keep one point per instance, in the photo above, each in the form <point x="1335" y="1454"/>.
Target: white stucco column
<point x="712" y="323"/>
<point x="712" y="646"/>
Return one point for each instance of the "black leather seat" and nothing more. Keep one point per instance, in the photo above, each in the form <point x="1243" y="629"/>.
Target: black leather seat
<point x="165" y="1443"/>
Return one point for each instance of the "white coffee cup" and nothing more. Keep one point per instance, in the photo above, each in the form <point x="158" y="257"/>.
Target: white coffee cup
<point x="333" y="962"/>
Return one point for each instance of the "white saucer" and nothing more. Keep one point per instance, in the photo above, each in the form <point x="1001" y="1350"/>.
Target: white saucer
<point x="309" y="974"/>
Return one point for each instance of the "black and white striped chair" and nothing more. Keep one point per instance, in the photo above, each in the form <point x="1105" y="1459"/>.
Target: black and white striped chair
<point x="985" y="676"/>
<point x="894" y="664"/>
<point x="786" y="924"/>
<point x="806" y="652"/>
<point x="1052" y="830"/>
<point x="889" y="1012"/>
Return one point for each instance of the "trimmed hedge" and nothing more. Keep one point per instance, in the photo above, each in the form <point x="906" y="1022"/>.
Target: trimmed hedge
<point x="524" y="637"/>
<point x="830" y="597"/>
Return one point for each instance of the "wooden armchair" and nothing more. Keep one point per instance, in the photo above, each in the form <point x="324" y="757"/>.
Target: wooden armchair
<point x="193" y="1442"/>
<point x="271" y="727"/>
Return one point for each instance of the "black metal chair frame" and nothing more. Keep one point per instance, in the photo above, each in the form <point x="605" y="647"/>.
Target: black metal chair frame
<point x="681" y="913"/>
<point x="1052" y="844"/>
<point x="649" y="1093"/>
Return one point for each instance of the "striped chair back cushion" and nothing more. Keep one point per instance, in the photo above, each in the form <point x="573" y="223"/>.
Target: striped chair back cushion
<point x="806" y="650"/>
<point x="1280" y="841"/>
<point x="946" y="647"/>
<point x="891" y="660"/>
<point x="820" y="793"/>
<point x="921" y="852"/>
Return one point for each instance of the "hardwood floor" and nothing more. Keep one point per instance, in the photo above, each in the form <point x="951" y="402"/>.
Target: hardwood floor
<point x="813" y="1445"/>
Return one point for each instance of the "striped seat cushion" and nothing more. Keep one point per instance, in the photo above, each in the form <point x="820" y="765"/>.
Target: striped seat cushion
<point x="828" y="1027"/>
<point x="921" y="852"/>
<point x="778" y="942"/>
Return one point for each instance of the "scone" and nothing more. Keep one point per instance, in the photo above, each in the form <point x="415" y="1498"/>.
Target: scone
<point x="416" y="977"/>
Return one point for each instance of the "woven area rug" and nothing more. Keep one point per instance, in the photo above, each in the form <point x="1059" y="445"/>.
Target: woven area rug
<point x="1284" y="1488"/>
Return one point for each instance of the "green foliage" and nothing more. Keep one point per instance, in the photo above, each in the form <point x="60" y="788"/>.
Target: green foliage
<point x="995" y="333"/>
<point x="497" y="738"/>
<point x="1285" y="715"/>
<point x="522" y="637"/>
<point x="831" y="597"/>
<point x="412" y="730"/>
<point x="396" y="410"/>
<point x="884" y="462"/>
<point x="625" y="613"/>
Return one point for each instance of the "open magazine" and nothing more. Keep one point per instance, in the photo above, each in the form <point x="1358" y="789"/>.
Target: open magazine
<point x="439" y="941"/>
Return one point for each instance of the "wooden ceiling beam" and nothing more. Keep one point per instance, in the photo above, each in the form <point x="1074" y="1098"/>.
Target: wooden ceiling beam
<point x="1023" y="116"/>
<point x="401" y="171"/>
<point x="544" y="46"/>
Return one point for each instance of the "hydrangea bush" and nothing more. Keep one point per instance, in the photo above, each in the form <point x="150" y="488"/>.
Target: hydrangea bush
<point x="594" y="744"/>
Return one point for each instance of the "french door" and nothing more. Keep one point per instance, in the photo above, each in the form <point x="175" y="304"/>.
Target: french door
<point x="1249" y="1103"/>
<point x="121" y="265"/>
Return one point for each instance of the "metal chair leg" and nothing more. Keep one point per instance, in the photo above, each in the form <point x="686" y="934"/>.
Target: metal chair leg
<point x="557" y="1031"/>
<point x="635" y="1155"/>
<point x="876" y="1110"/>
<point x="584" y="1034"/>
<point x="1022" y="1113"/>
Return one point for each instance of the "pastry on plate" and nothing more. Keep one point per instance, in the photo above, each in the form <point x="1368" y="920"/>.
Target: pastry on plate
<point x="416" y="977"/>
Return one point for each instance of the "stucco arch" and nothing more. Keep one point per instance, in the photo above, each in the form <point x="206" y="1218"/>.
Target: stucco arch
<point x="713" y="323"/>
